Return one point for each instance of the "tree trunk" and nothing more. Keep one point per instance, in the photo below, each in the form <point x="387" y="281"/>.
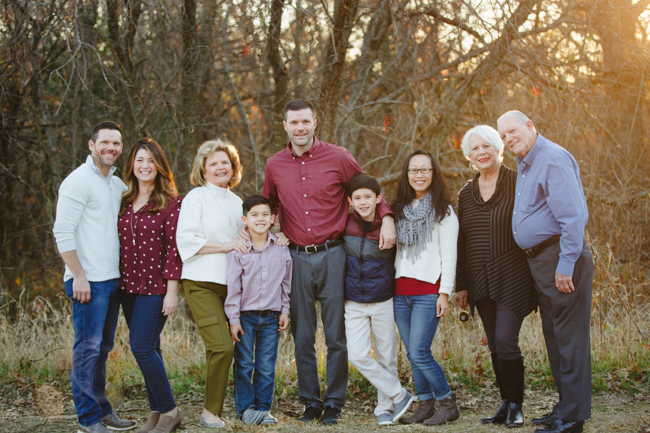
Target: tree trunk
<point x="345" y="12"/>
<point x="280" y="75"/>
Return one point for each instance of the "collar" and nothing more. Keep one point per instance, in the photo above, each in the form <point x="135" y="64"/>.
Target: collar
<point x="271" y="237"/>
<point x="91" y="162"/>
<point x="217" y="190"/>
<point x="532" y="153"/>
<point x="375" y="224"/>
<point x="314" y="148"/>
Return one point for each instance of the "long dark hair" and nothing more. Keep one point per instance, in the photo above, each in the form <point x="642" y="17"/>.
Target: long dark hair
<point x="405" y="194"/>
<point x="164" y="186"/>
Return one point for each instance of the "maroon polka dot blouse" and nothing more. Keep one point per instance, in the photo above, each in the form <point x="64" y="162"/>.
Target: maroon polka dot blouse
<point x="148" y="253"/>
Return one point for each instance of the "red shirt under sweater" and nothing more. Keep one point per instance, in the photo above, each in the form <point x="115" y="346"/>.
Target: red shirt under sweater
<point x="411" y="287"/>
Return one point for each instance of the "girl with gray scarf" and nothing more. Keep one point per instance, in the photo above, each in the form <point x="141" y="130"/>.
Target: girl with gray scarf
<point x="425" y="270"/>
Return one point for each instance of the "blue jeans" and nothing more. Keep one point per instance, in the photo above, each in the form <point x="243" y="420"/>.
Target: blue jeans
<point x="417" y="323"/>
<point x="261" y="338"/>
<point x="144" y="316"/>
<point x="94" y="333"/>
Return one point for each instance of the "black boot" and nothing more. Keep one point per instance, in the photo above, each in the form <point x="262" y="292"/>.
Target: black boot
<point x="513" y="383"/>
<point x="500" y="415"/>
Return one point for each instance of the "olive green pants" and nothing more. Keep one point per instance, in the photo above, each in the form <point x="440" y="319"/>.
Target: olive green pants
<point x="206" y="302"/>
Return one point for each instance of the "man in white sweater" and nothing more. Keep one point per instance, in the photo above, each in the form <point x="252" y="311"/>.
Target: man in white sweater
<point x="86" y="236"/>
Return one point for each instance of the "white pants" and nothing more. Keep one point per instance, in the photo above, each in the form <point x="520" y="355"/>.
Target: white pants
<point x="379" y="318"/>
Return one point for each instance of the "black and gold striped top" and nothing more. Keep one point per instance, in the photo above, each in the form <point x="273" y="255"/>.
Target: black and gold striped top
<point x="490" y="264"/>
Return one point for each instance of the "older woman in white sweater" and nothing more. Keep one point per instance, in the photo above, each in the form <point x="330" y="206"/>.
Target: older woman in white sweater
<point x="208" y="227"/>
<point x="425" y="270"/>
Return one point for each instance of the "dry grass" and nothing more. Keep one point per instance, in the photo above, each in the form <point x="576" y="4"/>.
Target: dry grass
<point x="35" y="346"/>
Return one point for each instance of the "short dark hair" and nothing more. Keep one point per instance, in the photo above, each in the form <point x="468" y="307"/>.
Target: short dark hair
<point x="104" y="125"/>
<point x="297" y="105"/>
<point x="253" y="201"/>
<point x="362" y="180"/>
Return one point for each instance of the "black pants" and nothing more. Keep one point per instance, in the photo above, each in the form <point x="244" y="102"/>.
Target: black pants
<point x="502" y="327"/>
<point x="565" y="321"/>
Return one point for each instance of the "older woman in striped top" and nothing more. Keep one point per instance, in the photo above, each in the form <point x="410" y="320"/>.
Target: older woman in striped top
<point x="492" y="272"/>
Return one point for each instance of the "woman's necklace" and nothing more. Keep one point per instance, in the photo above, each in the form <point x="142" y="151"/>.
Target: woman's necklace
<point x="221" y="208"/>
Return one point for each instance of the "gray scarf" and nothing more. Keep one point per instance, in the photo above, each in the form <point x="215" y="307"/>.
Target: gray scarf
<point x="416" y="228"/>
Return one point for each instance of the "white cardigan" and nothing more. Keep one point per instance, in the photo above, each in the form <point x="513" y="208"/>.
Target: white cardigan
<point x="202" y="219"/>
<point x="438" y="260"/>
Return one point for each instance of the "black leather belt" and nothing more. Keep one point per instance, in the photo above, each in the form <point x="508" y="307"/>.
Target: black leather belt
<point x="534" y="251"/>
<point x="311" y="249"/>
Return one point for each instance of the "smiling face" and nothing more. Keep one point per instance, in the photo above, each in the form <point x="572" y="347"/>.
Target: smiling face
<point x="420" y="182"/>
<point x="106" y="149"/>
<point x="218" y="169"/>
<point x="365" y="201"/>
<point x="259" y="219"/>
<point x="300" y="126"/>
<point x="517" y="137"/>
<point x="144" y="168"/>
<point x="482" y="154"/>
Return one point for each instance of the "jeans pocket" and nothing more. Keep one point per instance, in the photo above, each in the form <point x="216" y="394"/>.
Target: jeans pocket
<point x="210" y="331"/>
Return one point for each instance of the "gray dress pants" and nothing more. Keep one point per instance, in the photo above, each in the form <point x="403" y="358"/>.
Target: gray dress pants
<point x="319" y="277"/>
<point x="565" y="321"/>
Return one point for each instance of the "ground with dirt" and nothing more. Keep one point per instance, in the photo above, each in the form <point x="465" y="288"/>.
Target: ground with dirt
<point x="19" y="413"/>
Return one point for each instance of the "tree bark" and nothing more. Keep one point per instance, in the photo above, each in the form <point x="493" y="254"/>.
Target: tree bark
<point x="280" y="74"/>
<point x="345" y="12"/>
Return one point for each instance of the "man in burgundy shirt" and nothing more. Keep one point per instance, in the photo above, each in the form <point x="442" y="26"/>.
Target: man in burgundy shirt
<point x="306" y="184"/>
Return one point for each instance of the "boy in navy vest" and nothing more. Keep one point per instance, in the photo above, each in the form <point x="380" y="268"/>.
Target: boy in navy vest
<point x="369" y="286"/>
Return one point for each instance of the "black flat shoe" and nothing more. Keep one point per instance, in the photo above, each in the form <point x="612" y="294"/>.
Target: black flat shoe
<point x="515" y="416"/>
<point x="311" y="414"/>
<point x="331" y="416"/>
<point x="500" y="415"/>
<point x="559" y="426"/>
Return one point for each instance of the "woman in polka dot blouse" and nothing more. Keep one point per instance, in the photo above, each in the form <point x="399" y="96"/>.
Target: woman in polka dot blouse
<point x="150" y="269"/>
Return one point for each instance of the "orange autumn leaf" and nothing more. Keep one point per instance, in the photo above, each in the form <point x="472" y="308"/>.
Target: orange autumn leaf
<point x="387" y="121"/>
<point x="246" y="50"/>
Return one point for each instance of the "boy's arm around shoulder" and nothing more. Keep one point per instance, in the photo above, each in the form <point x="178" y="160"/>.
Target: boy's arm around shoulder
<point x="234" y="272"/>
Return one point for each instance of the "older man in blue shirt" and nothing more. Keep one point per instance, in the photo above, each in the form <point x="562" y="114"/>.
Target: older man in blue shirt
<point x="548" y="222"/>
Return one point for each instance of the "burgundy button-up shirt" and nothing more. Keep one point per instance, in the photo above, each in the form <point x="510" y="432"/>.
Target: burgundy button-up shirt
<point x="148" y="253"/>
<point x="259" y="280"/>
<point x="309" y="192"/>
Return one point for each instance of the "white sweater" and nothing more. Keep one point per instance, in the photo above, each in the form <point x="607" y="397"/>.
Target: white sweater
<point x="86" y="220"/>
<point x="438" y="260"/>
<point x="202" y="219"/>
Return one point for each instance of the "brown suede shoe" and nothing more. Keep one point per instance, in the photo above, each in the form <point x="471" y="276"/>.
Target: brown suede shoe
<point x="150" y="424"/>
<point x="167" y="424"/>
<point x="447" y="412"/>
<point x="426" y="409"/>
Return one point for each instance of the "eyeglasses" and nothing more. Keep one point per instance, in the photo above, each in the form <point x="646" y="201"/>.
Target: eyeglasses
<point x="425" y="170"/>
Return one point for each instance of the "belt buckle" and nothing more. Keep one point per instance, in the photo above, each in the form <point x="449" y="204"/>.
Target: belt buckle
<point x="311" y="246"/>
<point x="529" y="252"/>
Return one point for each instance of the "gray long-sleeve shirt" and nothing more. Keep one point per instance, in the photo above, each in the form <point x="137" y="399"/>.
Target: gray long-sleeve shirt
<point x="86" y="220"/>
<point x="550" y="201"/>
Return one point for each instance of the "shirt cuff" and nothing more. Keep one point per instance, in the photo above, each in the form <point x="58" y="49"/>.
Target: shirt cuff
<point x="565" y="267"/>
<point x="67" y="245"/>
<point x="234" y="322"/>
<point x="284" y="311"/>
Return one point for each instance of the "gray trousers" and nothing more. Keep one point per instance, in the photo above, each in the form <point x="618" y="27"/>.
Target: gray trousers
<point x="319" y="277"/>
<point x="565" y="322"/>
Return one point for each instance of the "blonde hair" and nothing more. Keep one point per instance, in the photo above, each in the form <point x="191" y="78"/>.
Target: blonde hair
<point x="197" y="177"/>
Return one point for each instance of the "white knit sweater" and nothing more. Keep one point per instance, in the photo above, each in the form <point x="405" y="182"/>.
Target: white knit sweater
<point x="86" y="220"/>
<point x="438" y="260"/>
<point x="204" y="217"/>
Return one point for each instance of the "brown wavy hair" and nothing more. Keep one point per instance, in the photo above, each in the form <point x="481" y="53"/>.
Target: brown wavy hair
<point x="164" y="185"/>
<point x="405" y="194"/>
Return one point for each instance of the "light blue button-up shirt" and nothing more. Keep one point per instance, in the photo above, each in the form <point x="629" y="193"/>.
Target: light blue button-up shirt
<point x="550" y="201"/>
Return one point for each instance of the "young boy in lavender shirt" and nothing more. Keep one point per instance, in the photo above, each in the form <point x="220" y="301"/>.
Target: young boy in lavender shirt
<point x="257" y="307"/>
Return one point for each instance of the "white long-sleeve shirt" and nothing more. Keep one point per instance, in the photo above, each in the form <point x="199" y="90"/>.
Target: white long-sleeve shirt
<point x="204" y="217"/>
<point x="438" y="260"/>
<point x="86" y="220"/>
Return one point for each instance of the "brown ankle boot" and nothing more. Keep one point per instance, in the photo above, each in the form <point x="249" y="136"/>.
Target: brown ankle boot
<point x="150" y="424"/>
<point x="426" y="409"/>
<point x="447" y="412"/>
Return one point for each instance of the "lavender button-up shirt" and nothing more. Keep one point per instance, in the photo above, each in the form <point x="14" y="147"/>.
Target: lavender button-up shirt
<point x="259" y="280"/>
<point x="550" y="201"/>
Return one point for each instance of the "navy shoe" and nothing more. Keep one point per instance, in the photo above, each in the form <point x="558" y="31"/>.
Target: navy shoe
<point x="559" y="426"/>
